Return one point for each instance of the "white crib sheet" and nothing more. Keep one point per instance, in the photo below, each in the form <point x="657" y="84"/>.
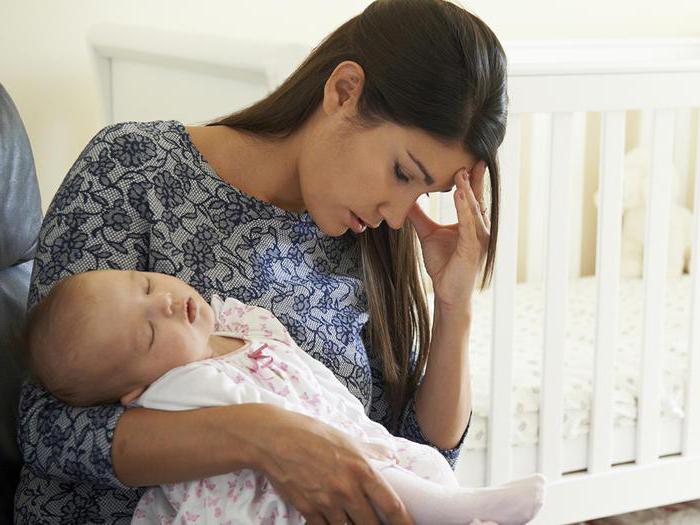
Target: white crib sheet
<point x="579" y="354"/>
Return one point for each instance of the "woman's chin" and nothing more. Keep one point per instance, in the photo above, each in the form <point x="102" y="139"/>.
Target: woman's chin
<point x="333" y="229"/>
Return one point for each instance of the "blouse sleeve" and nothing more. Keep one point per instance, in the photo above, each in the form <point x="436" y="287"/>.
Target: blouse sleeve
<point x="99" y="218"/>
<point x="410" y="429"/>
<point x="408" y="426"/>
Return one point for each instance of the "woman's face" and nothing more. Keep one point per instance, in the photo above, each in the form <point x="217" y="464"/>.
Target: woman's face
<point x="374" y="174"/>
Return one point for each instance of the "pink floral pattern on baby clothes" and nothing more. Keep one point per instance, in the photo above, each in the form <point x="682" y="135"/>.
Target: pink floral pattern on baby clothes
<point x="273" y="369"/>
<point x="262" y="361"/>
<point x="245" y="497"/>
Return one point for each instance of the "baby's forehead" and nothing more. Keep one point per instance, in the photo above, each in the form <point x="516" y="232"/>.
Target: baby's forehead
<point x="99" y="306"/>
<point x="106" y="290"/>
<point x="95" y="343"/>
<point x="83" y="313"/>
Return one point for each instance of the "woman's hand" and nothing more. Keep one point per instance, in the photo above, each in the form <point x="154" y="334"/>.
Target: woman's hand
<point x="323" y="473"/>
<point x="454" y="254"/>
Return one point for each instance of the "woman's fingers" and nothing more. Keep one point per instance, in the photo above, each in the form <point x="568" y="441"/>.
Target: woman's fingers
<point x="338" y="484"/>
<point x="476" y="180"/>
<point x="468" y="209"/>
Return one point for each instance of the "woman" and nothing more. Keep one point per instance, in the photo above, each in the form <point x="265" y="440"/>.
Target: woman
<point x="270" y="205"/>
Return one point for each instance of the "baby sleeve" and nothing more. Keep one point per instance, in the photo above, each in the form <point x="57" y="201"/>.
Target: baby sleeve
<point x="197" y="385"/>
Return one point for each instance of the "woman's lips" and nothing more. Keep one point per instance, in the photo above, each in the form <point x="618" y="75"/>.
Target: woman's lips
<point x="192" y="310"/>
<point x="356" y="223"/>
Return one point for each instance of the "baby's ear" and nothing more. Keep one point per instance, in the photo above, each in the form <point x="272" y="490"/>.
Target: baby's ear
<point x="128" y="398"/>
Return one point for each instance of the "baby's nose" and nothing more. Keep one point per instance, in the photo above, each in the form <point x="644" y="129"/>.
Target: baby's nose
<point x="167" y="304"/>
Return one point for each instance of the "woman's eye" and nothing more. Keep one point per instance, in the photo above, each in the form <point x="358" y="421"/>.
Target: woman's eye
<point x="399" y="174"/>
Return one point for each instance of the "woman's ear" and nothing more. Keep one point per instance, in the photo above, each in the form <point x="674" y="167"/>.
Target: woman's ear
<point x="136" y="392"/>
<point x="344" y="83"/>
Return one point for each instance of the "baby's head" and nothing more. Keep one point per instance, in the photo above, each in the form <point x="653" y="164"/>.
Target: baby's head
<point x="104" y="336"/>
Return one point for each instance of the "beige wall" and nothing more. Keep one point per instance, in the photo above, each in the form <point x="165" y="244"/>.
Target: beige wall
<point x="45" y="64"/>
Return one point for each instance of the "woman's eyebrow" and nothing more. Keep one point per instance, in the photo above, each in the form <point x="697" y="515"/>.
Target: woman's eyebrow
<point x="429" y="180"/>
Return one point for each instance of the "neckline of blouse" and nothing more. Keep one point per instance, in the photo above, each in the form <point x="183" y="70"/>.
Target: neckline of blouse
<point x="304" y="217"/>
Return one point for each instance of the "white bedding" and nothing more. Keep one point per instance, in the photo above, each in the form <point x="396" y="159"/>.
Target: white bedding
<point x="579" y="353"/>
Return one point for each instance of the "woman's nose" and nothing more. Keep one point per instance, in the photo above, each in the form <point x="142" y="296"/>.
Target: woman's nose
<point x="395" y="215"/>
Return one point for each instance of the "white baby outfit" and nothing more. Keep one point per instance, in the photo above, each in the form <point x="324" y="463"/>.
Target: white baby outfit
<point x="271" y="368"/>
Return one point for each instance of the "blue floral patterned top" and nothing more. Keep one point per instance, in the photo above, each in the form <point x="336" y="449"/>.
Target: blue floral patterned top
<point x="141" y="196"/>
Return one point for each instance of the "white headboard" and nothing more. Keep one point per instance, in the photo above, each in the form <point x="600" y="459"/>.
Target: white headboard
<point x="150" y="74"/>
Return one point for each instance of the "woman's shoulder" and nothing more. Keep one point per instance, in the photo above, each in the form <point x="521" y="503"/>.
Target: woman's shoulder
<point x="139" y="127"/>
<point x="134" y="141"/>
<point x="126" y="152"/>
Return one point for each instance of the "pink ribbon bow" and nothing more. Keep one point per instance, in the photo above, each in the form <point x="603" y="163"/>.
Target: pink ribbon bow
<point x="258" y="356"/>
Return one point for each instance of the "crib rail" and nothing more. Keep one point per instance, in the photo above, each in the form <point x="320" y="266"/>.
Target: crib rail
<point x="562" y="96"/>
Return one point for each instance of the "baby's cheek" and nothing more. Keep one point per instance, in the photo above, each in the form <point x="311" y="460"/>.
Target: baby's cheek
<point x="157" y="368"/>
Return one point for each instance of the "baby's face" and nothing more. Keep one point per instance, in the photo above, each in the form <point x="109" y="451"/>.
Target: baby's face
<point x="145" y="324"/>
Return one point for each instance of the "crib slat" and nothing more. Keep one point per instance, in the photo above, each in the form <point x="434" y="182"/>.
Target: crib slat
<point x="499" y="461"/>
<point x="691" y="427"/>
<point x="556" y="284"/>
<point x="681" y="154"/>
<point x="646" y="127"/>
<point x="578" y="154"/>
<point x="608" y="272"/>
<point x="655" y="262"/>
<point x="540" y="165"/>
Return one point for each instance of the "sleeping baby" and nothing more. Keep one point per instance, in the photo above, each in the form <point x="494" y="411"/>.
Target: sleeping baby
<point x="150" y="340"/>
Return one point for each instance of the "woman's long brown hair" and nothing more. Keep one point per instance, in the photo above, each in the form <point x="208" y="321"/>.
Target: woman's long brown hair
<point x="428" y="64"/>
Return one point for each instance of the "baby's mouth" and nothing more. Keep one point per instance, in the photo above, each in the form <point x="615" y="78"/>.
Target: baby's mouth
<point x="192" y="310"/>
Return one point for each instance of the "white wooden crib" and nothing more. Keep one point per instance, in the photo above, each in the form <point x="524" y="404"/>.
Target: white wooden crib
<point x="611" y="468"/>
<point x="649" y="89"/>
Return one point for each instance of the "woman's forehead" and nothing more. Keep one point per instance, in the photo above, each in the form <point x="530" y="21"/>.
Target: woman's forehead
<point x="431" y="159"/>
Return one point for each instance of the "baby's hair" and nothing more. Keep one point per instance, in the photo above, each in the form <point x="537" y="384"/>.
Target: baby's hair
<point x="53" y="339"/>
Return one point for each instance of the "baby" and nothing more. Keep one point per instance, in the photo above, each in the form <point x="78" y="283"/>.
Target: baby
<point x="150" y="340"/>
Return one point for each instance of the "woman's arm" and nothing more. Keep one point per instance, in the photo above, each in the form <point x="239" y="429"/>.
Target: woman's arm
<point x="453" y="256"/>
<point x="147" y="447"/>
<point x="242" y="431"/>
<point x="167" y="437"/>
<point x="443" y="399"/>
<point x="153" y="447"/>
<point x="63" y="442"/>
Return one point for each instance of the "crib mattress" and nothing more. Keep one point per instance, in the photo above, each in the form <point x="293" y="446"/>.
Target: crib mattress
<point x="579" y="353"/>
